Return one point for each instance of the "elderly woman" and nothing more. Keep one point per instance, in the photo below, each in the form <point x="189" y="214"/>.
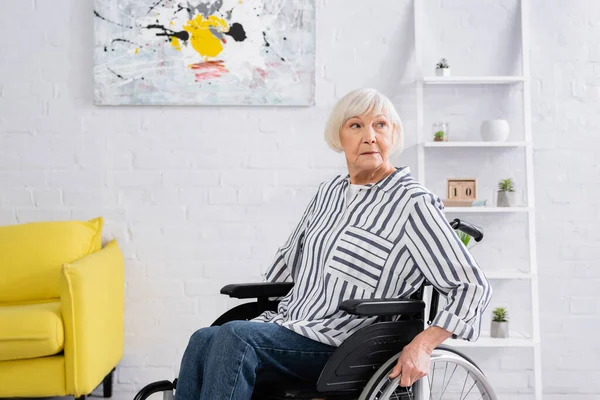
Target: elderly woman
<point x="372" y="233"/>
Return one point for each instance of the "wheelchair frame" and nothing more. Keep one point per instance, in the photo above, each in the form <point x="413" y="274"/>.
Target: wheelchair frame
<point x="355" y="361"/>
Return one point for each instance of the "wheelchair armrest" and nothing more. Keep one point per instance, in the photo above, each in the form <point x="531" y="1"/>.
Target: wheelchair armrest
<point x="381" y="307"/>
<point x="256" y="290"/>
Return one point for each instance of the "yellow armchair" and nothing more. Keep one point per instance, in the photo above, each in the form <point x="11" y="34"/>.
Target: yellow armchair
<point x="61" y="309"/>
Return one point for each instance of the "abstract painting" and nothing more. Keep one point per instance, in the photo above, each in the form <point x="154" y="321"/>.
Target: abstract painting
<point x="204" y="52"/>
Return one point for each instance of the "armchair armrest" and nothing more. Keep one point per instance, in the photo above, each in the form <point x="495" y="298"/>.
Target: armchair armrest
<point x="382" y="307"/>
<point x="92" y="302"/>
<point x="255" y="290"/>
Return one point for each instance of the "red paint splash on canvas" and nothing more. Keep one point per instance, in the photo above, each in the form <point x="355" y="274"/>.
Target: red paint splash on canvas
<point x="209" y="70"/>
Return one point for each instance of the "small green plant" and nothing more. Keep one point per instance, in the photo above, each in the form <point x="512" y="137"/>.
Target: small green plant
<point x="500" y="314"/>
<point x="464" y="238"/>
<point x="438" y="136"/>
<point x="442" y="64"/>
<point x="506" y="185"/>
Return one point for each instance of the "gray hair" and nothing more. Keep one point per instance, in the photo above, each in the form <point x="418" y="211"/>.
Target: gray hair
<point x="360" y="102"/>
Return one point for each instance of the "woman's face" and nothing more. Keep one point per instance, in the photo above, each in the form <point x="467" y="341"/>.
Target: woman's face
<point x="367" y="140"/>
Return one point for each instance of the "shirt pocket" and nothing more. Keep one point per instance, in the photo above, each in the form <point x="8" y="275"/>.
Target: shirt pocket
<point x="359" y="258"/>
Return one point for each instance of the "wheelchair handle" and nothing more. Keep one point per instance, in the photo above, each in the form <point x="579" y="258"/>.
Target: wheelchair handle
<point x="470" y="229"/>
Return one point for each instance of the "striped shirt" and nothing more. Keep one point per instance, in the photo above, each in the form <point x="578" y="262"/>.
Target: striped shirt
<point x="385" y="243"/>
<point x="353" y="191"/>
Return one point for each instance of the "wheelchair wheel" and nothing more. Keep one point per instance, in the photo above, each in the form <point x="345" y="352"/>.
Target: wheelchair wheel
<point x="451" y="376"/>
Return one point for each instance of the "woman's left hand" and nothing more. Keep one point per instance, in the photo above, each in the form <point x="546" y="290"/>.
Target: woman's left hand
<point x="413" y="364"/>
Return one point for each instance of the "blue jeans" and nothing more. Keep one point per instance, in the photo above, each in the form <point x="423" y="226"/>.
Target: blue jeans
<point x="226" y="362"/>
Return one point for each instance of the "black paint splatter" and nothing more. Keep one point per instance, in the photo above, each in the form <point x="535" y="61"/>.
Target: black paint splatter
<point x="266" y="41"/>
<point x="112" y="22"/>
<point x="122" y="40"/>
<point x="180" y="7"/>
<point x="118" y="75"/>
<point x="105" y="49"/>
<point x="282" y="59"/>
<point x="236" y="31"/>
<point x="154" y="5"/>
<point x="182" y="35"/>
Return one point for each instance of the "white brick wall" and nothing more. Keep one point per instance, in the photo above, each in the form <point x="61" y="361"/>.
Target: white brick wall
<point x="201" y="197"/>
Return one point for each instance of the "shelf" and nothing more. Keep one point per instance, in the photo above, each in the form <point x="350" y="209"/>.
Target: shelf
<point x="486" y="209"/>
<point x="426" y="85"/>
<point x="472" y="80"/>
<point x="475" y="144"/>
<point x="508" y="274"/>
<point x="516" y="339"/>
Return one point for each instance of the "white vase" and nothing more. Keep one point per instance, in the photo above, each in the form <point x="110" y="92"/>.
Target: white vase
<point x="495" y="130"/>
<point x="499" y="329"/>
<point x="442" y="71"/>
<point x="506" y="199"/>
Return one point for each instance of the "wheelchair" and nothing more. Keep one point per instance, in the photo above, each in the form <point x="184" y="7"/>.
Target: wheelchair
<point x="359" y="368"/>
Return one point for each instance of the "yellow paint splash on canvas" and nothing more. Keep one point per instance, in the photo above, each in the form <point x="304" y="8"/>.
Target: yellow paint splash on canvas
<point x="176" y="43"/>
<point x="201" y="38"/>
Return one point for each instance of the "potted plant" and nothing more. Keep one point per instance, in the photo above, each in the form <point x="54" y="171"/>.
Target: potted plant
<point x="506" y="193"/>
<point x="442" y="68"/>
<point x="464" y="238"/>
<point x="440" y="131"/>
<point x="499" y="323"/>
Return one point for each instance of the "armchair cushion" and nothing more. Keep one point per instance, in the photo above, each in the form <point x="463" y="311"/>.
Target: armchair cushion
<point x="32" y="255"/>
<point x="92" y="301"/>
<point x="30" y="330"/>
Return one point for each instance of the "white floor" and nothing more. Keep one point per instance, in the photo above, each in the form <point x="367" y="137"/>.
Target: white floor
<point x="97" y="395"/>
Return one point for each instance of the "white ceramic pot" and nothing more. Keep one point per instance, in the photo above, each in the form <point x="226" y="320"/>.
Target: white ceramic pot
<point x="442" y="71"/>
<point x="495" y="130"/>
<point x="506" y="199"/>
<point x="499" y="329"/>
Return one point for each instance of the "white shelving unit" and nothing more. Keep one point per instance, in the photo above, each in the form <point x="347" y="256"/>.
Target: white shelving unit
<point x="474" y="210"/>
<point x="516" y="339"/>
<point x="475" y="144"/>
<point x="472" y="80"/>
